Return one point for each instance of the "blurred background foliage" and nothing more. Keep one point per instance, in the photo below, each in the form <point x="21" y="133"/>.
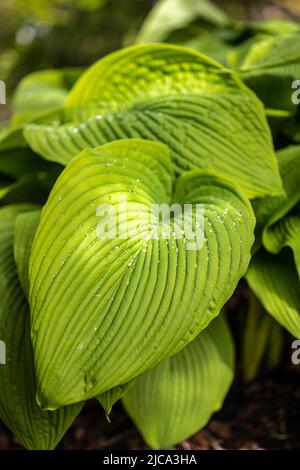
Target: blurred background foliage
<point x="40" y="34"/>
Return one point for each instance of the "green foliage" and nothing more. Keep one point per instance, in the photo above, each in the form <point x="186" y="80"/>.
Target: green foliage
<point x="202" y="26"/>
<point x="34" y="428"/>
<point x="125" y="289"/>
<point x="275" y="282"/>
<point x="41" y="93"/>
<point x="273" y="271"/>
<point x="25" y="228"/>
<point x="169" y="16"/>
<point x="263" y="336"/>
<point x="172" y="401"/>
<point x="167" y="93"/>
<point x="50" y="34"/>
<point x="136" y="317"/>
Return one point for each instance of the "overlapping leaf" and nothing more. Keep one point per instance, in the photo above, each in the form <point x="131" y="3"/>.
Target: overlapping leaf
<point x="270" y="210"/>
<point x="170" y="15"/>
<point x="273" y="52"/>
<point x="12" y="138"/>
<point x="29" y="177"/>
<point x="274" y="278"/>
<point x="208" y="118"/>
<point x="25" y="228"/>
<point x="177" y="398"/>
<point x="109" y="398"/>
<point x="37" y="99"/>
<point x="275" y="282"/>
<point x="285" y="233"/>
<point x="282" y="228"/>
<point x="17" y="163"/>
<point x="106" y="310"/>
<point x="262" y="339"/>
<point x="41" y="93"/>
<point x="270" y="68"/>
<point x="34" y="428"/>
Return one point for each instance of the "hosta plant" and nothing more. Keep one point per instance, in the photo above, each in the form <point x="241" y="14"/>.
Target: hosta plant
<point x="133" y="316"/>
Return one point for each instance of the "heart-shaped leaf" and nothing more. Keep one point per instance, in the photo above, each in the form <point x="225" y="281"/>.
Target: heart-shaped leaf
<point x="104" y="310"/>
<point x="270" y="210"/>
<point x="34" y="428"/>
<point x="177" y="398"/>
<point x="171" y="94"/>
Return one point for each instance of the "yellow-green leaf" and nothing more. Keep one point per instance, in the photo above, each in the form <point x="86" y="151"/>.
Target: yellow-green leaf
<point x="177" y="398"/>
<point x="103" y="311"/>
<point x="34" y="428"/>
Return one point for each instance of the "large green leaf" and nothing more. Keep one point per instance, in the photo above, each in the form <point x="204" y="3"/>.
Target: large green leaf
<point x="34" y="428"/>
<point x="105" y="310"/>
<point x="274" y="86"/>
<point x="174" y="95"/>
<point x="177" y="398"/>
<point x="169" y="15"/>
<point x="25" y="228"/>
<point x="275" y="27"/>
<point x="275" y="282"/>
<point x="273" y="52"/>
<point x="42" y="92"/>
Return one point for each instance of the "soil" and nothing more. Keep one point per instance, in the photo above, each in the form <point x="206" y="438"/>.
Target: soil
<point x="263" y="414"/>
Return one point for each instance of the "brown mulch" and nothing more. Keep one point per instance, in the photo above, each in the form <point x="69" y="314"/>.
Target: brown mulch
<point x="263" y="414"/>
